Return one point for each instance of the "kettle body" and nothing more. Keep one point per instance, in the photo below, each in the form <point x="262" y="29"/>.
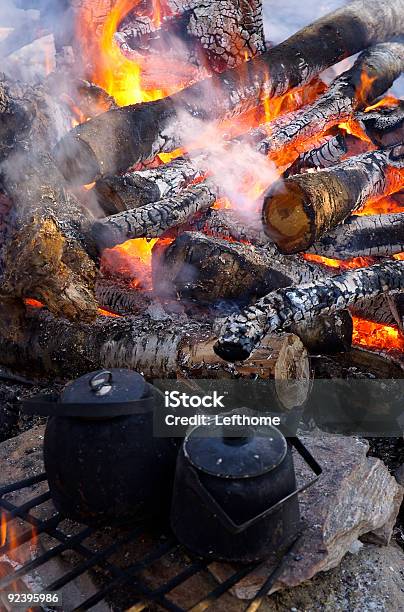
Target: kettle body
<point x="102" y="461"/>
<point x="241" y="513"/>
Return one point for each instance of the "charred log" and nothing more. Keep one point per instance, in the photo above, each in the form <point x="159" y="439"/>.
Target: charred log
<point x="379" y="309"/>
<point x="141" y="131"/>
<point x="384" y="126"/>
<point x="218" y="33"/>
<point x="155" y="348"/>
<point x="284" y="307"/>
<point x="27" y="117"/>
<point x="374" y="71"/>
<point x="118" y="297"/>
<point x="208" y="269"/>
<point x="364" y="236"/>
<point x="134" y="189"/>
<point x="297" y="212"/>
<point x="330" y="152"/>
<point x="326" y="334"/>
<point x="153" y="220"/>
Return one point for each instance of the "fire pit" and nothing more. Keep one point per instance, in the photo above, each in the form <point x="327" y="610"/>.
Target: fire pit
<point x="181" y="198"/>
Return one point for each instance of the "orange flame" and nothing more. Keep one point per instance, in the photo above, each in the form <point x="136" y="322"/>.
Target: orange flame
<point x="343" y="264"/>
<point x="3" y="529"/>
<point x="375" y="335"/>
<point x="387" y="101"/>
<point x="135" y="79"/>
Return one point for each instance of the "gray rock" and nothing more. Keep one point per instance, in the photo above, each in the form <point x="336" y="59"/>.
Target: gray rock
<point x="372" y="580"/>
<point x="356" y="495"/>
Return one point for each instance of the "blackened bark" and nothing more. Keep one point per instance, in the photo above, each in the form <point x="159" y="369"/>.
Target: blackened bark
<point x="134" y="189"/>
<point x="284" y="307"/>
<point x="372" y="74"/>
<point x="364" y="236"/>
<point x="207" y="269"/>
<point x="114" y="141"/>
<point x="153" y="220"/>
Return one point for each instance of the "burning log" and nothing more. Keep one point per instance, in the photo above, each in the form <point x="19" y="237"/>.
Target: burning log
<point x="373" y="72"/>
<point x="364" y="236"/>
<point x="141" y="131"/>
<point x="153" y="220"/>
<point x="120" y="298"/>
<point x="208" y="269"/>
<point x="284" y="307"/>
<point x="329" y="153"/>
<point x="384" y="126"/>
<point x="297" y="212"/>
<point x="222" y="32"/>
<point x="380" y="309"/>
<point x="135" y="189"/>
<point x="159" y="349"/>
<point x="326" y="334"/>
<point x="46" y="251"/>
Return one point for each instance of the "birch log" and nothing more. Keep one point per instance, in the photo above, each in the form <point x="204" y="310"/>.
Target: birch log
<point x="285" y="307"/>
<point x="120" y="138"/>
<point x="158" y="349"/>
<point x="297" y="212"/>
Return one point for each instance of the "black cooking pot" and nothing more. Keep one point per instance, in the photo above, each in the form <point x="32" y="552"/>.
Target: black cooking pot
<point x="235" y="496"/>
<point x="102" y="461"/>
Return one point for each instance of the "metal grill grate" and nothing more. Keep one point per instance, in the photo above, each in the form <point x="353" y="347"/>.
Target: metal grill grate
<point x="114" y="577"/>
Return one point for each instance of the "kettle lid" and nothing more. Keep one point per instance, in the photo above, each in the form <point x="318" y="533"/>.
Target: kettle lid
<point x="230" y="452"/>
<point x="105" y="387"/>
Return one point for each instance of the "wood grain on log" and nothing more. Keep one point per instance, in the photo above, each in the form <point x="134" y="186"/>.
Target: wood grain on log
<point x="159" y="349"/>
<point x="207" y="269"/>
<point x="364" y="236"/>
<point x="141" y="131"/>
<point x="153" y="220"/>
<point x="47" y="251"/>
<point x="134" y="189"/>
<point x="284" y="307"/>
<point x="297" y="212"/>
<point x="373" y="72"/>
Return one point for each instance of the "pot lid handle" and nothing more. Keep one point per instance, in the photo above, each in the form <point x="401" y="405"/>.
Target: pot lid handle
<point x="101" y="383"/>
<point x="226" y="520"/>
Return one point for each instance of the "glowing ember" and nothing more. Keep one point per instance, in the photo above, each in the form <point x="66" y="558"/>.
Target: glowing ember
<point x="342" y="264"/>
<point x="33" y="303"/>
<point x="107" y="313"/>
<point x="374" y="335"/>
<point x="399" y="256"/>
<point x="3" y="529"/>
<point x="379" y="207"/>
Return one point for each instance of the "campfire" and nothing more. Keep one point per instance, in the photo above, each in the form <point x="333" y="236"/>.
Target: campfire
<point x="183" y="198"/>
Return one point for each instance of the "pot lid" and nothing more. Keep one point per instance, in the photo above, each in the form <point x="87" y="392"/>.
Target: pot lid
<point x="229" y="452"/>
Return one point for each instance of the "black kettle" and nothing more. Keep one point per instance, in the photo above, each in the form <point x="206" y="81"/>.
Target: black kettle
<point x="235" y="496"/>
<point x="102" y="461"/>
